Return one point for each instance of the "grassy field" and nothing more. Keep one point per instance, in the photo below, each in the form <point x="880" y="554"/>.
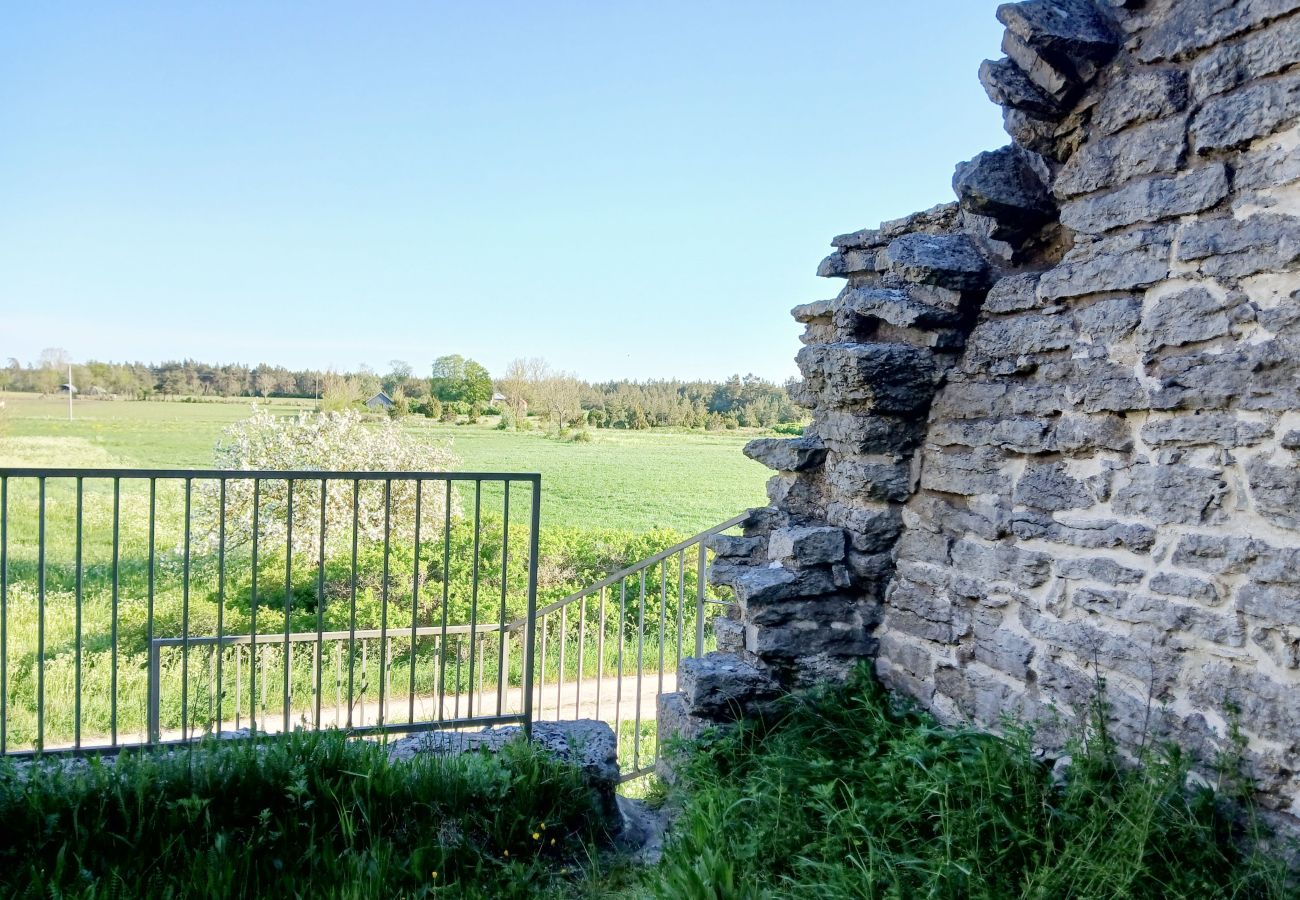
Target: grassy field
<point x="631" y="480"/>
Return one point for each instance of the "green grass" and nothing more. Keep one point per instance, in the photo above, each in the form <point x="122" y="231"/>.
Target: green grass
<point x="632" y="480"/>
<point x="303" y="816"/>
<point x="848" y="795"/>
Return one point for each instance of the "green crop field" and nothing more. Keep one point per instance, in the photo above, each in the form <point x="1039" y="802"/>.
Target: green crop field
<point x="631" y="480"/>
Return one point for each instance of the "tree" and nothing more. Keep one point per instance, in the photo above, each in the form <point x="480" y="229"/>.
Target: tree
<point x="339" y="393"/>
<point x="520" y="382"/>
<point x="460" y="380"/>
<point x="560" y="395"/>
<point x="321" y="442"/>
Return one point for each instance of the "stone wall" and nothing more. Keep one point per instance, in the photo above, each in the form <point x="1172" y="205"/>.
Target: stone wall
<point x="1056" y="423"/>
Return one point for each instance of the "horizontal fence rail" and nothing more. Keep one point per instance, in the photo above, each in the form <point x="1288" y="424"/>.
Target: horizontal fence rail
<point x="609" y="650"/>
<point x="142" y="607"/>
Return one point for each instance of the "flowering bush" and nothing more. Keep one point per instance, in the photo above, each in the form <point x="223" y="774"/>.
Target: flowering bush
<point x="323" y="442"/>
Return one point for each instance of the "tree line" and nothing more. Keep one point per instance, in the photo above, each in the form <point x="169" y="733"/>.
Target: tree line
<point x="455" y="386"/>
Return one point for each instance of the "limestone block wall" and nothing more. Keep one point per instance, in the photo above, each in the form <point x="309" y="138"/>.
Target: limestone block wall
<point x="1056" y="422"/>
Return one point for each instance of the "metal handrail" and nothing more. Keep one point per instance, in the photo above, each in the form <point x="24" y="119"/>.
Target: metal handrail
<point x="265" y="474"/>
<point x="637" y="567"/>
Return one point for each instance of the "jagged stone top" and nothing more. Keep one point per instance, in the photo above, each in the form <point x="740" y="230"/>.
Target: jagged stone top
<point x="935" y="220"/>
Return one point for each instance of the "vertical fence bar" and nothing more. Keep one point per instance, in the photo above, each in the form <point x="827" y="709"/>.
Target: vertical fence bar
<point x="383" y="601"/>
<point x="681" y="604"/>
<point x="149" y="635"/>
<point x="116" y="594"/>
<point x="640" y="674"/>
<point x="185" y="619"/>
<point x="4" y="614"/>
<point x="415" y="601"/>
<point x="534" y="527"/>
<point x="40" y="621"/>
<point x="153" y="724"/>
<point x="288" y="601"/>
<point x="600" y="652"/>
<point x="473" y="596"/>
<point x="618" y="689"/>
<point x="582" y="646"/>
<point x="320" y="603"/>
<point x="76" y="704"/>
<point x="663" y="636"/>
<point x="352" y="613"/>
<point x="505" y="559"/>
<point x="562" y="640"/>
<point x="252" y="614"/>
<point x="446" y="593"/>
<point x="701" y="590"/>
<point x="541" y="667"/>
<point x="221" y="602"/>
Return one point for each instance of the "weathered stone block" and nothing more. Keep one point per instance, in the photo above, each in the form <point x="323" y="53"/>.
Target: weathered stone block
<point x="1185" y="587"/>
<point x="807" y="546"/>
<point x="1005" y="185"/>
<point x="1264" y="242"/>
<point x="954" y="472"/>
<point x="1152" y="148"/>
<point x="852" y="478"/>
<point x="1141" y="96"/>
<point x="1250" y="112"/>
<point x="1018" y="335"/>
<point x="1134" y="259"/>
<point x="1014" y="293"/>
<point x="1073" y="31"/>
<point x="1276" y="492"/>
<point x="1149" y="200"/>
<point x="859" y="311"/>
<point x="1048" y="487"/>
<point x="894" y="379"/>
<point x="1190" y="316"/>
<point x="1006" y="84"/>
<point x="1169" y="494"/>
<point x="871" y="528"/>
<point x="1265" y="52"/>
<point x="1091" y="534"/>
<point x="766" y="585"/>
<point x="1218" y="555"/>
<point x="721" y="686"/>
<point x="849" y="431"/>
<point x="1210" y="428"/>
<point x="787" y="454"/>
<point x="1002" y="562"/>
<point x="1191" y="25"/>
<point x="1100" y="569"/>
<point x="948" y="260"/>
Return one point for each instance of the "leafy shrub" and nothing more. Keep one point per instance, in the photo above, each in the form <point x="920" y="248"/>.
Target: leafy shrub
<point x="317" y="442"/>
<point x="792" y="428"/>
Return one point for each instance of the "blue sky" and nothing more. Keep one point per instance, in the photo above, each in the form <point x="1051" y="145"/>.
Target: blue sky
<point x="629" y="189"/>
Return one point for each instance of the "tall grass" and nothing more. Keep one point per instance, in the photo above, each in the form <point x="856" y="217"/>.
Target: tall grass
<point x="299" y="816"/>
<point x="849" y="795"/>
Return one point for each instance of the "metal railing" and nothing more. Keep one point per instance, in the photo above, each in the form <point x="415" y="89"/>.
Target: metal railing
<point x="158" y="606"/>
<point x="609" y="650"/>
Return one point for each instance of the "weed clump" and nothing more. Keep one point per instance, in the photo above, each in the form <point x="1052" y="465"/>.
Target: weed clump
<point x="849" y="794"/>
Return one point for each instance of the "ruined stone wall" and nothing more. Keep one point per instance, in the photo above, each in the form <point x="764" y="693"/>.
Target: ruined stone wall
<point x="1056" y="423"/>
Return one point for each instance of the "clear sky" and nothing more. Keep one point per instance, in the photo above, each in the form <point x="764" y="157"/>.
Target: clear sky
<point x="629" y="189"/>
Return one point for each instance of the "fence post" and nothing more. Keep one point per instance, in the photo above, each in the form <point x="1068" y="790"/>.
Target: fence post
<point x="155" y="685"/>
<point x="530" y="622"/>
<point x="701" y="590"/>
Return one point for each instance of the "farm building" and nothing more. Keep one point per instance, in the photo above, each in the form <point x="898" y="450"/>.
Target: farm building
<point x="380" y="401"/>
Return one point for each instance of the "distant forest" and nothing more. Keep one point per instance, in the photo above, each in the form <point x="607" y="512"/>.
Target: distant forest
<point x="529" y="387"/>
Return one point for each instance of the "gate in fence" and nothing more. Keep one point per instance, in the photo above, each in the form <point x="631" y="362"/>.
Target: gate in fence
<point x="155" y="607"/>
